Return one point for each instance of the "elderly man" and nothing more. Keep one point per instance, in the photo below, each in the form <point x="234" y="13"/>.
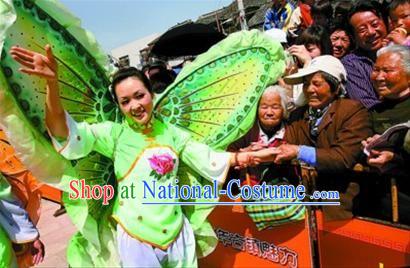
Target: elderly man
<point x="327" y="132"/>
<point x="268" y="131"/>
<point x="369" y="29"/>
<point x="391" y="78"/>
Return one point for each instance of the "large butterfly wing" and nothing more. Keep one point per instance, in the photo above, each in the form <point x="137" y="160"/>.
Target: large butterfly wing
<point x="215" y="97"/>
<point x="83" y="82"/>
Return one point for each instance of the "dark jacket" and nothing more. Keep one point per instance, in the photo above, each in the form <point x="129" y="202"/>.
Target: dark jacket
<point x="338" y="144"/>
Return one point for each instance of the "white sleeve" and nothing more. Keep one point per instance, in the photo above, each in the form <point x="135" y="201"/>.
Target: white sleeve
<point x="208" y="163"/>
<point x="84" y="138"/>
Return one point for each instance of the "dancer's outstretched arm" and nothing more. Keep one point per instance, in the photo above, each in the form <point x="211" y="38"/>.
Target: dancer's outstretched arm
<point x="45" y="66"/>
<point x="245" y="159"/>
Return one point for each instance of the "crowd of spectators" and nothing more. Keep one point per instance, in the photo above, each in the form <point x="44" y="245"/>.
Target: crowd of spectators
<point x="348" y="83"/>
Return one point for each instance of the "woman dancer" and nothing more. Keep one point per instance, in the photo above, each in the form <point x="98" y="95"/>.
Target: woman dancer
<point x="144" y="150"/>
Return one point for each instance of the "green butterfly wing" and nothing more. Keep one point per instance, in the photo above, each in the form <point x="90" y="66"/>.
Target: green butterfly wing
<point x="83" y="82"/>
<point x="215" y="97"/>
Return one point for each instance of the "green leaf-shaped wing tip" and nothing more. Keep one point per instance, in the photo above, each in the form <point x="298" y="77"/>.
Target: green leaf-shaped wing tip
<point x="83" y="74"/>
<point x="83" y="80"/>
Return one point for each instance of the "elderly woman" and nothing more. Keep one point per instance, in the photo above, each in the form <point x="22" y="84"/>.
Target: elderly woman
<point x="327" y="132"/>
<point x="268" y="131"/>
<point x="391" y="79"/>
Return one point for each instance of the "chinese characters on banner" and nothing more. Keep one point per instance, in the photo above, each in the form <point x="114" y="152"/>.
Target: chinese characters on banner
<point x="261" y="249"/>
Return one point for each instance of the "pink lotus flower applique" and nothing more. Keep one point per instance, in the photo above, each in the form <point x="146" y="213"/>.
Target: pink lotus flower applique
<point x="162" y="164"/>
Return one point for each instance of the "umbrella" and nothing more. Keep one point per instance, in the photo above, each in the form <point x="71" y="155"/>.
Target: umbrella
<point x="187" y="39"/>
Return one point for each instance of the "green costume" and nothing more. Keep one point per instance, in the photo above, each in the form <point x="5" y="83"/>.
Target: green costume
<point x="134" y="155"/>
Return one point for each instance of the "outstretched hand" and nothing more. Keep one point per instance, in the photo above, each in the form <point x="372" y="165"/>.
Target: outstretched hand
<point x="254" y="158"/>
<point x="286" y="152"/>
<point x="34" y="63"/>
<point x="244" y="160"/>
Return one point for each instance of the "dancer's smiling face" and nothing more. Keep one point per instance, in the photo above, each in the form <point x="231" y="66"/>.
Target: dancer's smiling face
<point x="134" y="99"/>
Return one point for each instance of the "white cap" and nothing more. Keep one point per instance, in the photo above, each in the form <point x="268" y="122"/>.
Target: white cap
<point x="277" y="34"/>
<point x="326" y="63"/>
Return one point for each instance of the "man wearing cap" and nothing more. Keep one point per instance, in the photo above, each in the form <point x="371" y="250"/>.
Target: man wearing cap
<point x="327" y="132"/>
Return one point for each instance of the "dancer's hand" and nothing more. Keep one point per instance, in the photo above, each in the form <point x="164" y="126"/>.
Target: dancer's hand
<point x="34" y="63"/>
<point x="45" y="66"/>
<point x="261" y="156"/>
<point x="244" y="160"/>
